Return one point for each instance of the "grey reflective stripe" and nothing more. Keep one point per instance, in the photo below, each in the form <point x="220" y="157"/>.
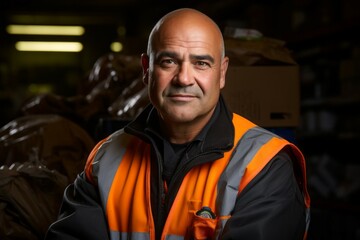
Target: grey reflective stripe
<point x="111" y="153"/>
<point x="133" y="235"/>
<point x="229" y="182"/>
<point x="174" y="237"/>
<point x="139" y="236"/>
<point x="308" y="216"/>
<point x="219" y="227"/>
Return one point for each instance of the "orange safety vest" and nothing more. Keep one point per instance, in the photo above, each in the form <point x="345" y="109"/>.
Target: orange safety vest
<point x="120" y="167"/>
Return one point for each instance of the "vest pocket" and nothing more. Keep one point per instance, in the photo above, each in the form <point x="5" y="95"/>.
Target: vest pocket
<point x="202" y="228"/>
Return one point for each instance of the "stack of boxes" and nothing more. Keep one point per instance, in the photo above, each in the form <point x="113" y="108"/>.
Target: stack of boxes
<point x="263" y="84"/>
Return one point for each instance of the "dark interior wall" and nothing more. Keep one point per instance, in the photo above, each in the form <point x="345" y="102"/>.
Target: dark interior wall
<point x="322" y="35"/>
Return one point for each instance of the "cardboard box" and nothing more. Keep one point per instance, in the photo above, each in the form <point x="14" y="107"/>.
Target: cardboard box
<point x="267" y="95"/>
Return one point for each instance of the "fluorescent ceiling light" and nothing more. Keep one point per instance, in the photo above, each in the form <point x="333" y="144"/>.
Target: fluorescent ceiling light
<point x="116" y="46"/>
<point x="49" y="46"/>
<point x="45" y="30"/>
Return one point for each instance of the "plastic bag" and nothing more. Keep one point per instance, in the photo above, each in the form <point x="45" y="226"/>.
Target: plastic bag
<point x="29" y="200"/>
<point x="39" y="156"/>
<point x="256" y="51"/>
<point x="62" y="144"/>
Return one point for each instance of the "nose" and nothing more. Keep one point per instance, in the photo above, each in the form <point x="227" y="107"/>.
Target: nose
<point x="184" y="76"/>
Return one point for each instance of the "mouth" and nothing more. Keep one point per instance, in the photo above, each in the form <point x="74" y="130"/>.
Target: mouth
<point x="182" y="97"/>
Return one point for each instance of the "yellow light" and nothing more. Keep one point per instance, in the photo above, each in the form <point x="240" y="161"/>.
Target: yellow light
<point x="116" y="46"/>
<point x="40" y="88"/>
<point x="48" y="46"/>
<point x="45" y="30"/>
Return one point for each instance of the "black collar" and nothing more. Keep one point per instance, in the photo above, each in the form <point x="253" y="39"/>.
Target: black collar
<point x="219" y="134"/>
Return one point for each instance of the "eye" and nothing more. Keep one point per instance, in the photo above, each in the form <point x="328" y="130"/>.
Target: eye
<point x="202" y="65"/>
<point x="167" y="62"/>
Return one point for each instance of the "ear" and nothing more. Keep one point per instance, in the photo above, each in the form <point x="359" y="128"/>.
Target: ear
<point x="145" y="67"/>
<point x="223" y="70"/>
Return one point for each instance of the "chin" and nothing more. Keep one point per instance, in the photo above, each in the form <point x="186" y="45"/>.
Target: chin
<point x="182" y="119"/>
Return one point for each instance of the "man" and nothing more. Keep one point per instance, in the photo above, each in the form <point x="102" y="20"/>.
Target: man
<point x="186" y="167"/>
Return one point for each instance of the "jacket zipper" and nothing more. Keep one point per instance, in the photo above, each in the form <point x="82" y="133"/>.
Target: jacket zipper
<point x="180" y="174"/>
<point x="160" y="219"/>
<point x="168" y="197"/>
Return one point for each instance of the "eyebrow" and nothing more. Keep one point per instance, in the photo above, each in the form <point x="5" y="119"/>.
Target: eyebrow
<point x="203" y="57"/>
<point x="192" y="56"/>
<point x="166" y="54"/>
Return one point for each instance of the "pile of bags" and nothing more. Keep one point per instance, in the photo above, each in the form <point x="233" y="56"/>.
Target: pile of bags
<point x="39" y="156"/>
<point x="46" y="146"/>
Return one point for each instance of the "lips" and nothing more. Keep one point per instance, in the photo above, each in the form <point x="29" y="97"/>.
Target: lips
<point x="181" y="97"/>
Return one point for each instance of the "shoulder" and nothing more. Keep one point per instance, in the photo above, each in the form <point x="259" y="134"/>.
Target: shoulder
<point x="108" y="149"/>
<point x="277" y="178"/>
<point x="239" y="120"/>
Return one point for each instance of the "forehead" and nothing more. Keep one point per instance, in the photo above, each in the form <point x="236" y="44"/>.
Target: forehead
<point x="184" y="33"/>
<point x="190" y="40"/>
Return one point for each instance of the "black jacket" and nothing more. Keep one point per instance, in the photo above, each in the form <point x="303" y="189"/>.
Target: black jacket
<point x="270" y="207"/>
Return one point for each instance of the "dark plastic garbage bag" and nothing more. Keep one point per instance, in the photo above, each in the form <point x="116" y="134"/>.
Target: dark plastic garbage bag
<point x="39" y="156"/>
<point x="62" y="145"/>
<point x="29" y="200"/>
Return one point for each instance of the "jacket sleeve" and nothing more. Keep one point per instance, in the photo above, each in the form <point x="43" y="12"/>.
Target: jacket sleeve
<point x="271" y="206"/>
<point x="81" y="215"/>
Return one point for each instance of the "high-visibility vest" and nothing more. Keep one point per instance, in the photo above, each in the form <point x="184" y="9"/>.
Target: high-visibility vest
<point x="120" y="167"/>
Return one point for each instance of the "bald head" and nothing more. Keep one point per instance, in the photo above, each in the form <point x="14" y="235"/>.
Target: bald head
<point x="184" y="69"/>
<point x="186" y="19"/>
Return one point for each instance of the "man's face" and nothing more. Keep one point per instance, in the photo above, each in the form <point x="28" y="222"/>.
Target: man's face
<point x="185" y="73"/>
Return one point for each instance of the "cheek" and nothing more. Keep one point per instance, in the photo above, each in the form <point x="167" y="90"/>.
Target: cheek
<point x="157" y="85"/>
<point x="209" y="84"/>
<point x="161" y="80"/>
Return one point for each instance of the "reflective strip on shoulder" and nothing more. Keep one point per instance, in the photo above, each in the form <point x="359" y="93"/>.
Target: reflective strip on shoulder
<point x="262" y="157"/>
<point x="107" y="160"/>
<point x="245" y="150"/>
<point x="89" y="163"/>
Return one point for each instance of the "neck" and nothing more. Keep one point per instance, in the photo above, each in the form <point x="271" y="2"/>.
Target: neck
<point x="183" y="132"/>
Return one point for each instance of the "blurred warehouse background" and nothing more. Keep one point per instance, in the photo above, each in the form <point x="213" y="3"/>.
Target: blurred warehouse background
<point x="308" y="52"/>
